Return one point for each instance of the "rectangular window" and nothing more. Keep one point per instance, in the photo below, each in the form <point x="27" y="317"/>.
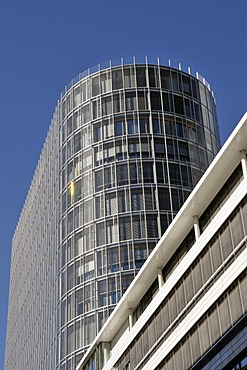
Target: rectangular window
<point x="77" y="96"/>
<point x="76" y="120"/>
<point x="77" y="142"/>
<point x="106" y="82"/>
<point x="120" y="128"/>
<point x="152" y="230"/>
<point x="84" y="90"/>
<point x="98" y="180"/>
<point x="140" y="254"/>
<point x="106" y="106"/>
<point x="113" y="290"/>
<point x="79" y="272"/>
<point x="141" y="76"/>
<point x="144" y="126"/>
<point x="117" y="79"/>
<point x="165" y="79"/>
<point x="132" y="126"/>
<point x="125" y="229"/>
<point x="95" y="86"/>
<point x="142" y="101"/>
<point x="137" y="201"/>
<point x="130" y="101"/>
<point x="153" y="76"/>
<point x="89" y="298"/>
<point x="111" y="232"/>
<point x="148" y="172"/>
<point x="129" y="77"/>
<point x="89" y="267"/>
<point x="99" y="206"/>
<point x="122" y="175"/>
<point x="179" y="105"/>
<point x="155" y="101"/>
<point x="90" y="329"/>
<point x="100" y="233"/>
<point x="109" y="176"/>
<point x="96" y="108"/>
<point x="108" y="128"/>
<point x="70" y="277"/>
<point x="86" y="113"/>
<point x="102" y="293"/>
<point x="123" y="201"/>
<point x="113" y="259"/>
<point x="111" y="204"/>
<point x="97" y="132"/>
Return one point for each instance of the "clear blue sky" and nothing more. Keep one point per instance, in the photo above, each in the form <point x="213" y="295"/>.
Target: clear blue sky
<point x="44" y="44"/>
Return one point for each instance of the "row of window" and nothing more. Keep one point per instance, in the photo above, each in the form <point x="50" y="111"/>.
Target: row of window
<point x="83" y="241"/>
<point x="119" y="201"/>
<point x="112" y="231"/>
<point x="212" y="326"/>
<point x="198" y="275"/>
<point x="222" y="196"/>
<point x="80" y="333"/>
<point x="139" y="101"/>
<point x="109" y="127"/>
<point x="207" y="216"/>
<point x="140" y="77"/>
<point x="175" y="151"/>
<point x="138" y="172"/>
<point x="84" y="299"/>
<point x="145" y="100"/>
<point x="129" y="149"/>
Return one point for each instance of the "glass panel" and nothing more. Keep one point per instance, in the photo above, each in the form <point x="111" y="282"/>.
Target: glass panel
<point x="129" y="77"/>
<point x="130" y="101"/>
<point x="117" y="79"/>
<point x="132" y="126"/>
<point x="77" y="96"/>
<point x="106" y="82"/>
<point x="179" y="105"/>
<point x="170" y="127"/>
<point x="165" y="79"/>
<point x="153" y="76"/>
<point x="141" y="76"/>
<point x="155" y="100"/>
<point x="95" y="86"/>
<point x="120" y="128"/>
<point x="113" y="259"/>
<point x="78" y="244"/>
<point x="106" y="104"/>
<point x="79" y="299"/>
<point x="102" y="293"/>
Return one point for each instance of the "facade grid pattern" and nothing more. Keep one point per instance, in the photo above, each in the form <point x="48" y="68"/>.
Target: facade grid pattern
<point x="209" y="274"/>
<point x="126" y="147"/>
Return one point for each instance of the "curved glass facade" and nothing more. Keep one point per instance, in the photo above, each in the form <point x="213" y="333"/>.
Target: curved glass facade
<point x="126" y="146"/>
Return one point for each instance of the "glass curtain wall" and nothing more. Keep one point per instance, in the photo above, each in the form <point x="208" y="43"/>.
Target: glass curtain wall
<point x="133" y="142"/>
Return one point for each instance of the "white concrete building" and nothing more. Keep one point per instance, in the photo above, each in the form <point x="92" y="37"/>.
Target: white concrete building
<point x="186" y="309"/>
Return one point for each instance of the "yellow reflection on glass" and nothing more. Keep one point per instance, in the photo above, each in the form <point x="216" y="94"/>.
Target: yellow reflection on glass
<point x="72" y="188"/>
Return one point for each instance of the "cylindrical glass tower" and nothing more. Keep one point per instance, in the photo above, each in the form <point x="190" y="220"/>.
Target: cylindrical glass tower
<point x="127" y="145"/>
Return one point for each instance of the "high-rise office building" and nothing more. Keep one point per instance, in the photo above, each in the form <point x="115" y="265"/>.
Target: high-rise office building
<point x="126" y="146"/>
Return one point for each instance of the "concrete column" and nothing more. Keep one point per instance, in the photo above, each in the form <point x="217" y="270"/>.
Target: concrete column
<point x="130" y="318"/>
<point x="196" y="227"/>
<point x="244" y="162"/>
<point x="160" y="277"/>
